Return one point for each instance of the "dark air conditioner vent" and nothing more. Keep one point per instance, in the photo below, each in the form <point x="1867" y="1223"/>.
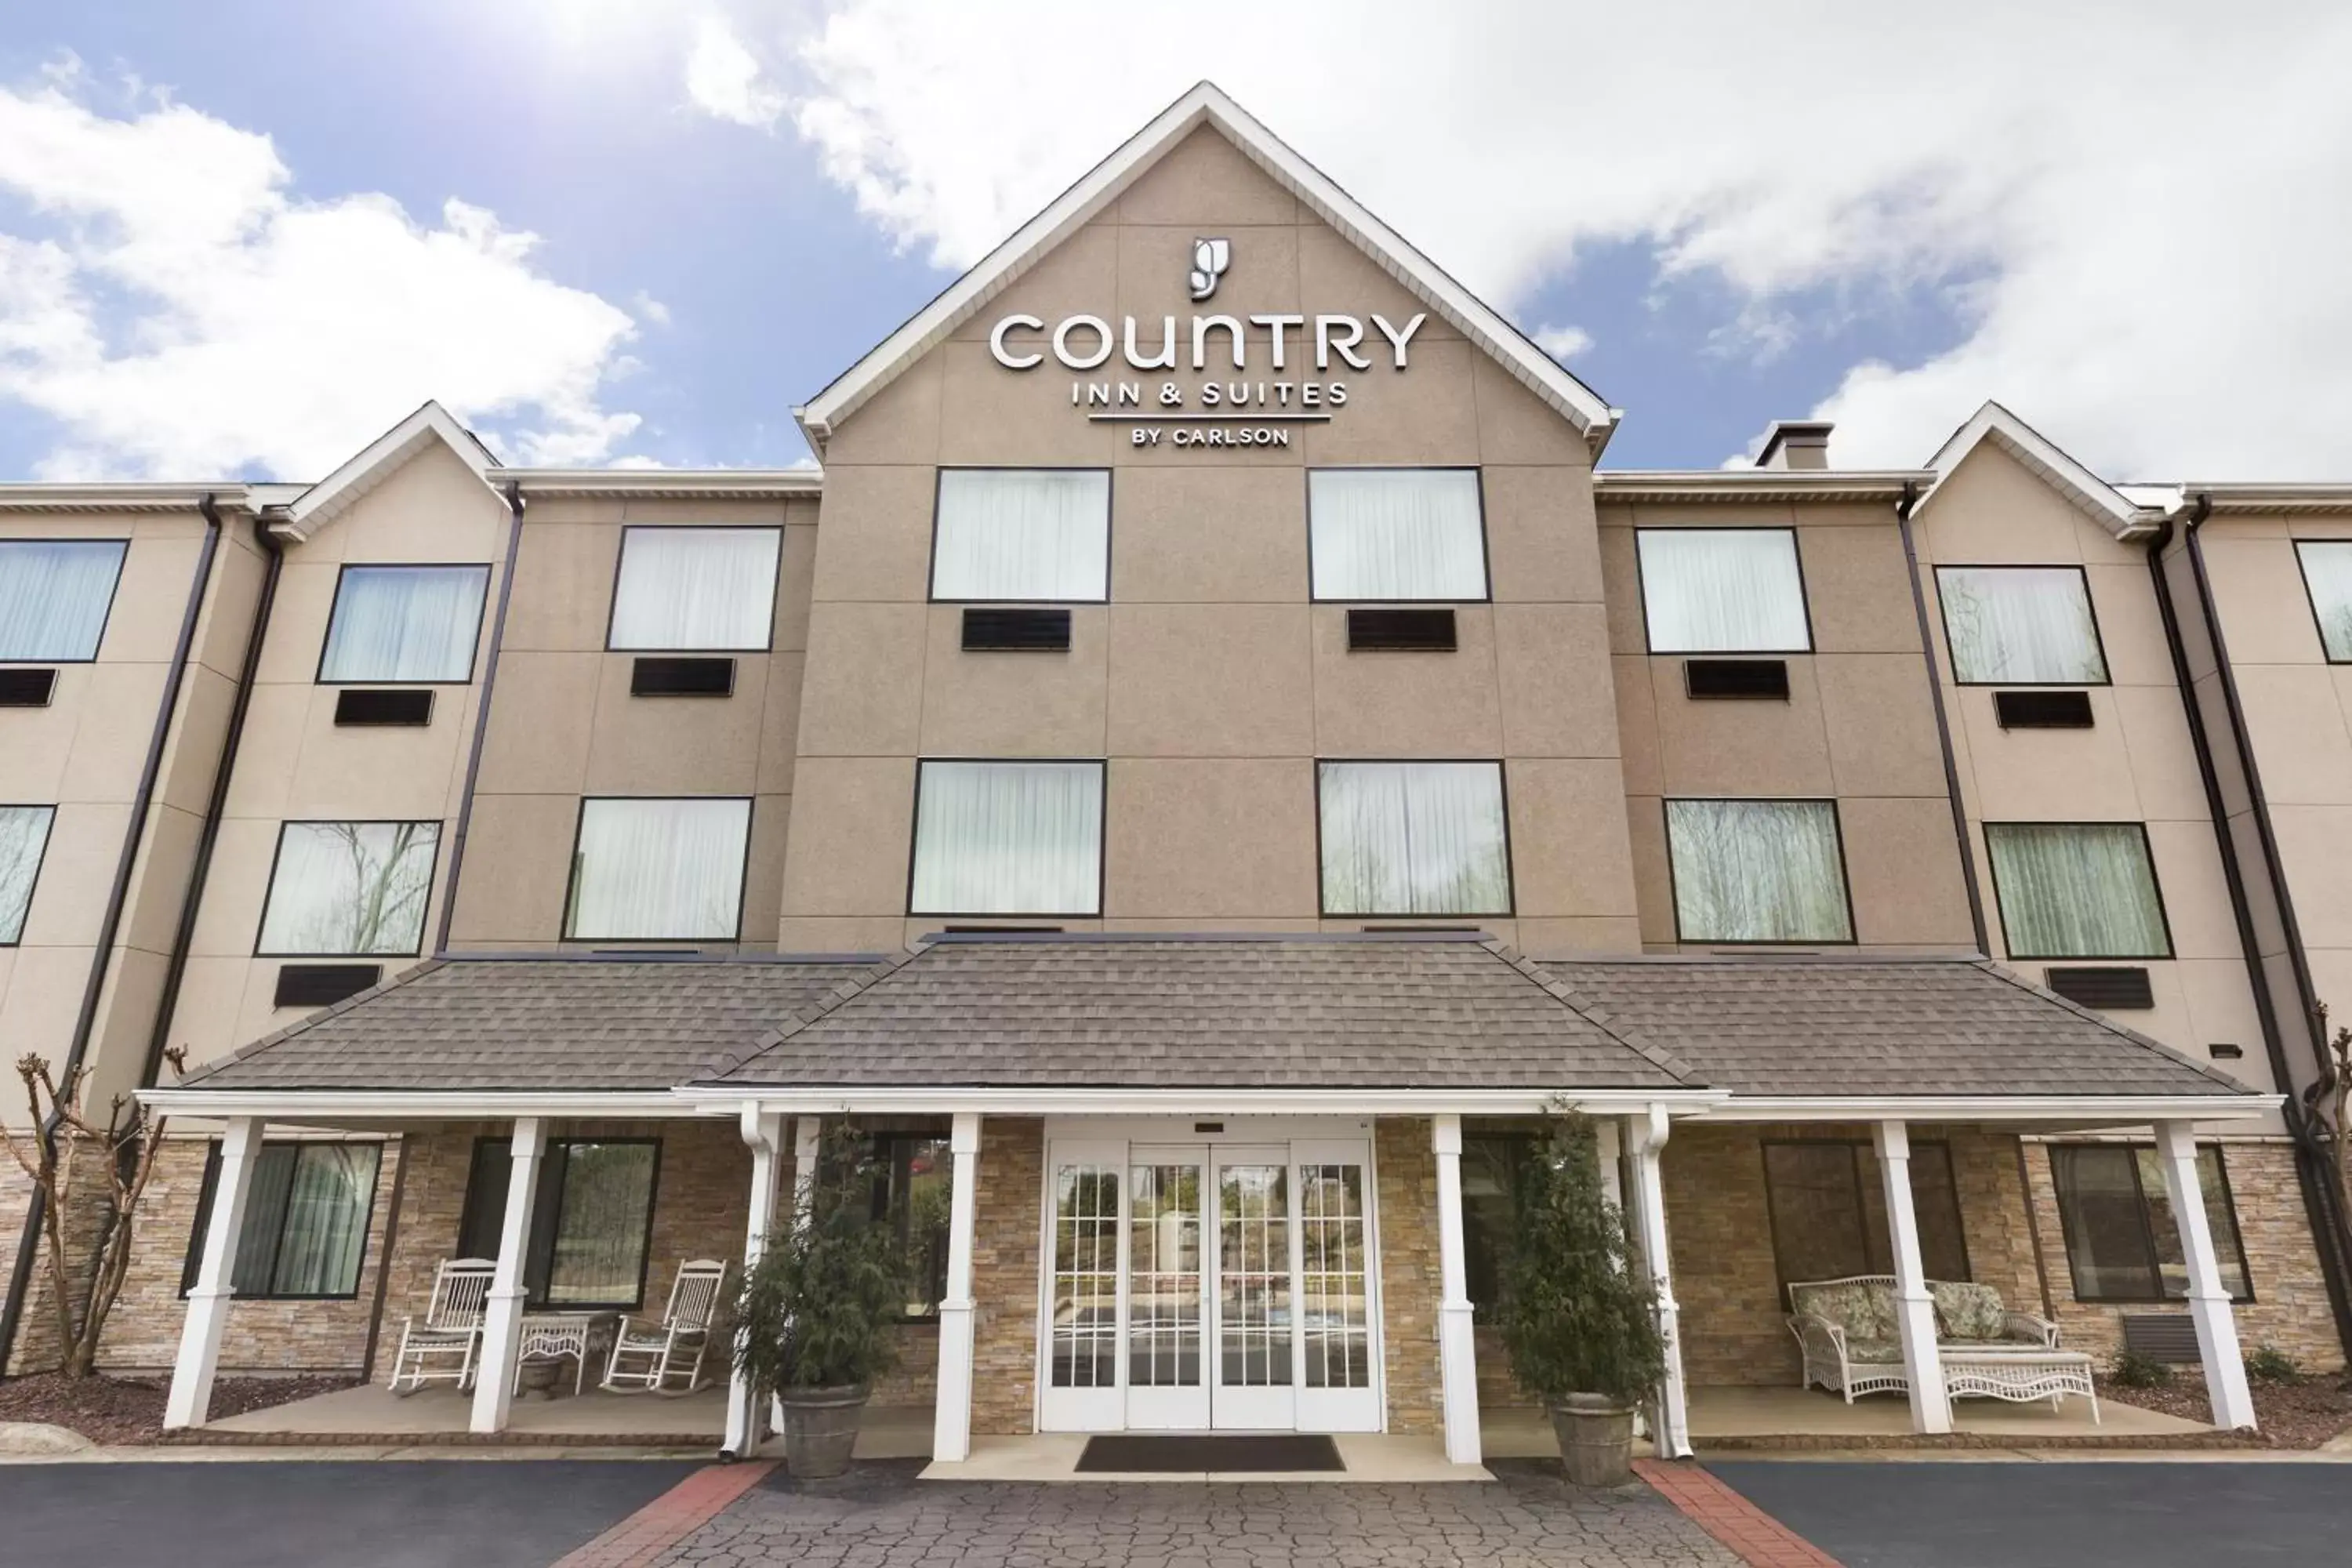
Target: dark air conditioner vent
<point x="2168" y="1337"/>
<point x="2120" y="989"/>
<point x="1760" y="680"/>
<point x="400" y="705"/>
<point x="2042" y="710"/>
<point x="27" y="687"/>
<point x="992" y="628"/>
<point x="682" y="677"/>
<point x="1401" y="631"/>
<point x="322" y="985"/>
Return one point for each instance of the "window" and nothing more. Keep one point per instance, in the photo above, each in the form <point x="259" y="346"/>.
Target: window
<point x="2122" y="1242"/>
<point x="340" y="888"/>
<point x="912" y="1194"/>
<point x="591" y="1219"/>
<point x="1492" y="1165"/>
<point x="658" y="871"/>
<point x="24" y="835"/>
<point x="1022" y="533"/>
<point x="1396" y="533"/>
<point x="1723" y="590"/>
<point x="2076" y="889"/>
<point x="1828" y="1202"/>
<point x="411" y="623"/>
<point x="696" y="590"/>
<point x="2021" y="626"/>
<point x="1413" y="839"/>
<point x="1757" y="870"/>
<point x="1007" y="838"/>
<point x="54" y="597"/>
<point x="2326" y="578"/>
<point x="306" y="1220"/>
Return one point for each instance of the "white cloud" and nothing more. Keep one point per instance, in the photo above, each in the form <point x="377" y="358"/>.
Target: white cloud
<point x="1563" y="342"/>
<point x="2140" y="214"/>
<point x="178" y="311"/>
<point x="723" y="77"/>
<point x="649" y="309"/>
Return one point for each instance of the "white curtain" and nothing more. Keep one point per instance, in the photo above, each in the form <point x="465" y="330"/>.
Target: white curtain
<point x="2327" y="570"/>
<point x="660" y="869"/>
<point x="1021" y="533"/>
<point x="24" y="833"/>
<point x="597" y="1254"/>
<point x="1009" y="839"/>
<point x="325" y="1220"/>
<point x="2076" y="889"/>
<point x="696" y="589"/>
<point x="1723" y="590"/>
<point x="1396" y="533"/>
<point x="349" y="887"/>
<point x="1413" y="839"/>
<point x="2021" y="625"/>
<point x="54" y="595"/>
<point x="404" y="623"/>
<point x="1757" y="871"/>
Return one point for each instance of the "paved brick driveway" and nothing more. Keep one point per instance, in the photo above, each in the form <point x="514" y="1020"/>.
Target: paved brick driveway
<point x="881" y="1516"/>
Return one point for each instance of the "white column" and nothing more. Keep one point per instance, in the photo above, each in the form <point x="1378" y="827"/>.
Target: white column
<point x="1457" y="1344"/>
<point x="1670" y="1418"/>
<point x="1607" y="1147"/>
<point x="502" y="1310"/>
<point x="808" y="1142"/>
<point x="200" y="1333"/>
<point x="2208" y="1302"/>
<point x="764" y="1133"/>
<point x="951" y="1414"/>
<point x="1915" y="1309"/>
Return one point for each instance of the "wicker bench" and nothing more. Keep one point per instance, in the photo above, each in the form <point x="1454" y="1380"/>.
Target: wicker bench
<point x="1846" y="1329"/>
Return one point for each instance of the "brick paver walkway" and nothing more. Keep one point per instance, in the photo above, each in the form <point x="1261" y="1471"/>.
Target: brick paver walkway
<point x="1761" y="1541"/>
<point x="882" y="1517"/>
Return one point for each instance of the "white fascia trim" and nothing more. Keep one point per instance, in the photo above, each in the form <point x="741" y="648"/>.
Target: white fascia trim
<point x="377" y="461"/>
<point x="1207" y="103"/>
<point x="132" y="497"/>
<point x="849" y="1100"/>
<point x="1625" y="485"/>
<point x="424" y="1105"/>
<point x="2126" y="1109"/>
<point x="696" y="483"/>
<point x="2087" y="492"/>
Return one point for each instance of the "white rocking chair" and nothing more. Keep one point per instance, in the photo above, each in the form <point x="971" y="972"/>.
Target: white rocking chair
<point x="445" y="1346"/>
<point x="646" y="1356"/>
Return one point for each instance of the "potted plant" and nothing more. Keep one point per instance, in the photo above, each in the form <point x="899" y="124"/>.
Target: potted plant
<point x="1579" y="1321"/>
<point x="814" y="1315"/>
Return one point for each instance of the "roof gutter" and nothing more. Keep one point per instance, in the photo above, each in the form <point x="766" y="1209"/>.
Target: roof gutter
<point x="20" y="1276"/>
<point x="482" y="719"/>
<point x="1903" y="506"/>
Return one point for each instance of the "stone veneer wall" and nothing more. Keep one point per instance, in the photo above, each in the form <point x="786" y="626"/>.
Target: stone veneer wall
<point x="1006" y="1229"/>
<point x="1409" y="1281"/>
<point x="2290" y="1309"/>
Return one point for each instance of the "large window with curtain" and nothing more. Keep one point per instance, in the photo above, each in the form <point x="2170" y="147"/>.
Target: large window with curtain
<point x="2123" y="1241"/>
<point x="24" y="836"/>
<point x="1828" y="1204"/>
<point x="54" y="597"/>
<point x="2328" y="578"/>
<point x="1723" y="590"/>
<point x="349" y="888"/>
<point x="415" y="624"/>
<point x="1396" y="533"/>
<point x="1758" y="871"/>
<point x="658" y="869"/>
<point x="2076" y="889"/>
<point x="1413" y="839"/>
<point x="1035" y="535"/>
<point x="305" y="1221"/>
<point x="591" y="1221"/>
<point x="695" y="590"/>
<point x="2021" y="626"/>
<point x="1007" y="838"/>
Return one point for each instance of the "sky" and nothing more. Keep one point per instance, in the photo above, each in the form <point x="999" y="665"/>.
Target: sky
<point x="240" y="239"/>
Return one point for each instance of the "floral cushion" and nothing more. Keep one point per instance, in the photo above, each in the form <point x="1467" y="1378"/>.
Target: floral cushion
<point x="1864" y="1309"/>
<point x="1964" y="1311"/>
<point x="1873" y="1352"/>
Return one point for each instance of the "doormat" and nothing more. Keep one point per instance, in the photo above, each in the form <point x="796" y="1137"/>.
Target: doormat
<point x="1134" y="1453"/>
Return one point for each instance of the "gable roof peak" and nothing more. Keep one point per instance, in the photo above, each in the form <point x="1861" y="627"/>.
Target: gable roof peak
<point x="377" y="461"/>
<point x="2086" y="491"/>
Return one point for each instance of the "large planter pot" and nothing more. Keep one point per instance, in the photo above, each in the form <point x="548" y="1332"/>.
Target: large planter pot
<point x="1596" y="1439"/>
<point x="821" y="1428"/>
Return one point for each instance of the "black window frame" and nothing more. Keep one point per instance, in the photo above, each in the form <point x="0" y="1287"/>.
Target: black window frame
<point x="1510" y="866"/>
<point x="887" y="1144"/>
<point x="1110" y="526"/>
<point x="1845" y="873"/>
<point x="1485" y="537"/>
<point x="742" y="874"/>
<point x="1854" y="1148"/>
<point x="1102" y="845"/>
<point x="546" y="1209"/>
<point x="106" y="621"/>
<point x="2163" y="914"/>
<point x="335" y="606"/>
<point x="1804" y="592"/>
<point x="2318" y="623"/>
<point x="2059" y="1185"/>
<point x="208" y="1187"/>
<point x="1484" y="1262"/>
<point x="621" y="562"/>
<point x="33" y="888"/>
<point x="1944" y="623"/>
<point x="269" y="886"/>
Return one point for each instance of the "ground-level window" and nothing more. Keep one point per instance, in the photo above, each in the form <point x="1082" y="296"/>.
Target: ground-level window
<point x="349" y="888"/>
<point x="1758" y="871"/>
<point x="24" y="835"/>
<point x="912" y="1190"/>
<point x="591" y="1219"/>
<point x="1395" y="533"/>
<point x="305" y="1221"/>
<point x="2122" y="1241"/>
<point x="2076" y="889"/>
<point x="2021" y="626"/>
<point x="1413" y="839"/>
<point x="54" y="597"/>
<point x="1007" y="838"/>
<point x="1827" y="1203"/>
<point x="1492" y="1164"/>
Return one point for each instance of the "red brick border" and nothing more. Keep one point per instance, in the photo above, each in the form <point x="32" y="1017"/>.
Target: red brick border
<point x="669" y="1519"/>
<point x="1760" y="1540"/>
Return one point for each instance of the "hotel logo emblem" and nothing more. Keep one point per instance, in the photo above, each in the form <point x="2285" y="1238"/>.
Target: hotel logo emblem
<point x="1210" y="259"/>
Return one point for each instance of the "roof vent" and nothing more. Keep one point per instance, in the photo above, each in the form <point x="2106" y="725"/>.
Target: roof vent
<point x="1796" y="444"/>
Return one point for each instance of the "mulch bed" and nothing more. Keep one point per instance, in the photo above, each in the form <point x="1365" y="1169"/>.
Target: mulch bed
<point x="2299" y="1415"/>
<point x="126" y="1410"/>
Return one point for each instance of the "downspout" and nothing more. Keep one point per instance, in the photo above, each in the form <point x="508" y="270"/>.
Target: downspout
<point x="1903" y="508"/>
<point x="20" y="1277"/>
<point x="482" y="719"/>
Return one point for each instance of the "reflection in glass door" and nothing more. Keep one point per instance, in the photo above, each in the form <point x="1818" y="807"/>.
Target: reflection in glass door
<point x="1334" y="1295"/>
<point x="1082" y="1379"/>
<point x="1255" y="1327"/>
<point x="1166" y="1389"/>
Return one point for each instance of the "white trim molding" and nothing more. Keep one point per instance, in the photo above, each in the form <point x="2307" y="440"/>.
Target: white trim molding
<point x="946" y="1100"/>
<point x="314" y="1106"/>
<point x="378" y="461"/>
<point x="2113" y="1110"/>
<point x="2090" y="494"/>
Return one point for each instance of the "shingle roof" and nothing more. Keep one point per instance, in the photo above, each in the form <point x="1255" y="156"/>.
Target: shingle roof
<point x="1230" y="1013"/>
<point x="1787" y="1026"/>
<point x="557" y="1023"/>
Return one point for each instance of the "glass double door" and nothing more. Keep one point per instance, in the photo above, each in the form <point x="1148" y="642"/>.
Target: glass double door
<point x="1210" y="1286"/>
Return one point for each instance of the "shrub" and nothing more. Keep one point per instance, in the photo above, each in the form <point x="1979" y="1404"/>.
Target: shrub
<point x="1578" y="1317"/>
<point x="815" y="1311"/>
<point x="2268" y="1363"/>
<point x="2133" y="1369"/>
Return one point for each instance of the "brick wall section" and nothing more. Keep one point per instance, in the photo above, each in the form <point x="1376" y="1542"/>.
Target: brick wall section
<point x="2290" y="1307"/>
<point x="1410" y="1281"/>
<point x="1004" y="1264"/>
